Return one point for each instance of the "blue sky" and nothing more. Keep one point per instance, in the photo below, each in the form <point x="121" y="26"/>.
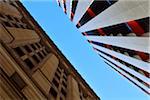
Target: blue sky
<point x="107" y="83"/>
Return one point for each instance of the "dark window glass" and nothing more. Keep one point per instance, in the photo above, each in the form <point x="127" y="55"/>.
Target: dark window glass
<point x="65" y="78"/>
<point x="2" y="16"/>
<point x="55" y="83"/>
<point x="116" y="29"/>
<point x="74" y="5"/>
<point x="99" y="6"/>
<point x="53" y="92"/>
<point x="27" y="48"/>
<point x="15" y="25"/>
<point x="17" y="20"/>
<point x="29" y="63"/>
<point x="61" y="98"/>
<point x="65" y="73"/>
<point x="19" y="51"/>
<point x="63" y="92"/>
<point x="81" y="97"/>
<point x="47" y="49"/>
<point x="37" y="44"/>
<point x="22" y="26"/>
<point x="9" y="17"/>
<point x="33" y="46"/>
<point x="7" y="24"/>
<point x="41" y="43"/>
<point x="59" y="3"/>
<point x="93" y="32"/>
<point x="86" y="17"/>
<point x="59" y="71"/>
<point x="65" y="7"/>
<point x="17" y="81"/>
<point x="58" y="77"/>
<point x="35" y="59"/>
<point x="44" y="53"/>
<point x="28" y="27"/>
<point x="144" y="23"/>
<point x="112" y="1"/>
<point x="40" y="55"/>
<point x="64" y="84"/>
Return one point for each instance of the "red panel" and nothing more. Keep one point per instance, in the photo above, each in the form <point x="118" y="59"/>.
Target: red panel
<point x="136" y="28"/>
<point x="107" y="46"/>
<point x="90" y="12"/>
<point x="143" y="56"/>
<point x="72" y="15"/>
<point x="101" y="32"/>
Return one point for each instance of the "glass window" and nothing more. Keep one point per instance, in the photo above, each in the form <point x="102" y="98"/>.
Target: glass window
<point x="9" y="17"/>
<point x="63" y="92"/>
<point x="29" y="63"/>
<point x="27" y="48"/>
<point x="33" y="46"/>
<point x="55" y="83"/>
<point x="2" y="16"/>
<point x="40" y="55"/>
<point x="7" y="24"/>
<point x="16" y="25"/>
<point x="64" y="84"/>
<point x="58" y="77"/>
<point x="19" y="51"/>
<point x="53" y="92"/>
<point x="35" y="59"/>
<point x="17" y="81"/>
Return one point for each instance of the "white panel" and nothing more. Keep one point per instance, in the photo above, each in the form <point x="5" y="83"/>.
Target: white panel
<point x="122" y="11"/>
<point x="82" y="6"/>
<point x="138" y="63"/>
<point x="133" y="43"/>
<point x="131" y="78"/>
<point x="140" y="76"/>
<point x="68" y="7"/>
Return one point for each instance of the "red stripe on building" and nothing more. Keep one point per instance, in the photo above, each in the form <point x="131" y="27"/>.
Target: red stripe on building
<point x="101" y="32"/>
<point x="136" y="28"/>
<point x="90" y="12"/>
<point x="72" y="15"/>
<point x="143" y="56"/>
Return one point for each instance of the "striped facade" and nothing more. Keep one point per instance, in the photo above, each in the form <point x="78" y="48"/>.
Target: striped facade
<point x="118" y="30"/>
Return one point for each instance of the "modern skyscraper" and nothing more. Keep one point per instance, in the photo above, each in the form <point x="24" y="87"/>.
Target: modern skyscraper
<point x="118" y="30"/>
<point x="31" y="65"/>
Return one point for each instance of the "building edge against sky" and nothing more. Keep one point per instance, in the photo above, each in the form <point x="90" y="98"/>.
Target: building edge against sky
<point x="118" y="30"/>
<point x="31" y="65"/>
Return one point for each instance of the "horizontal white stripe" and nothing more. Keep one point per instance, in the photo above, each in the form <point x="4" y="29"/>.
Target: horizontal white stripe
<point x="131" y="78"/>
<point x="121" y="11"/>
<point x="138" y="63"/>
<point x="133" y="43"/>
<point x="140" y="76"/>
<point x="82" y="6"/>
